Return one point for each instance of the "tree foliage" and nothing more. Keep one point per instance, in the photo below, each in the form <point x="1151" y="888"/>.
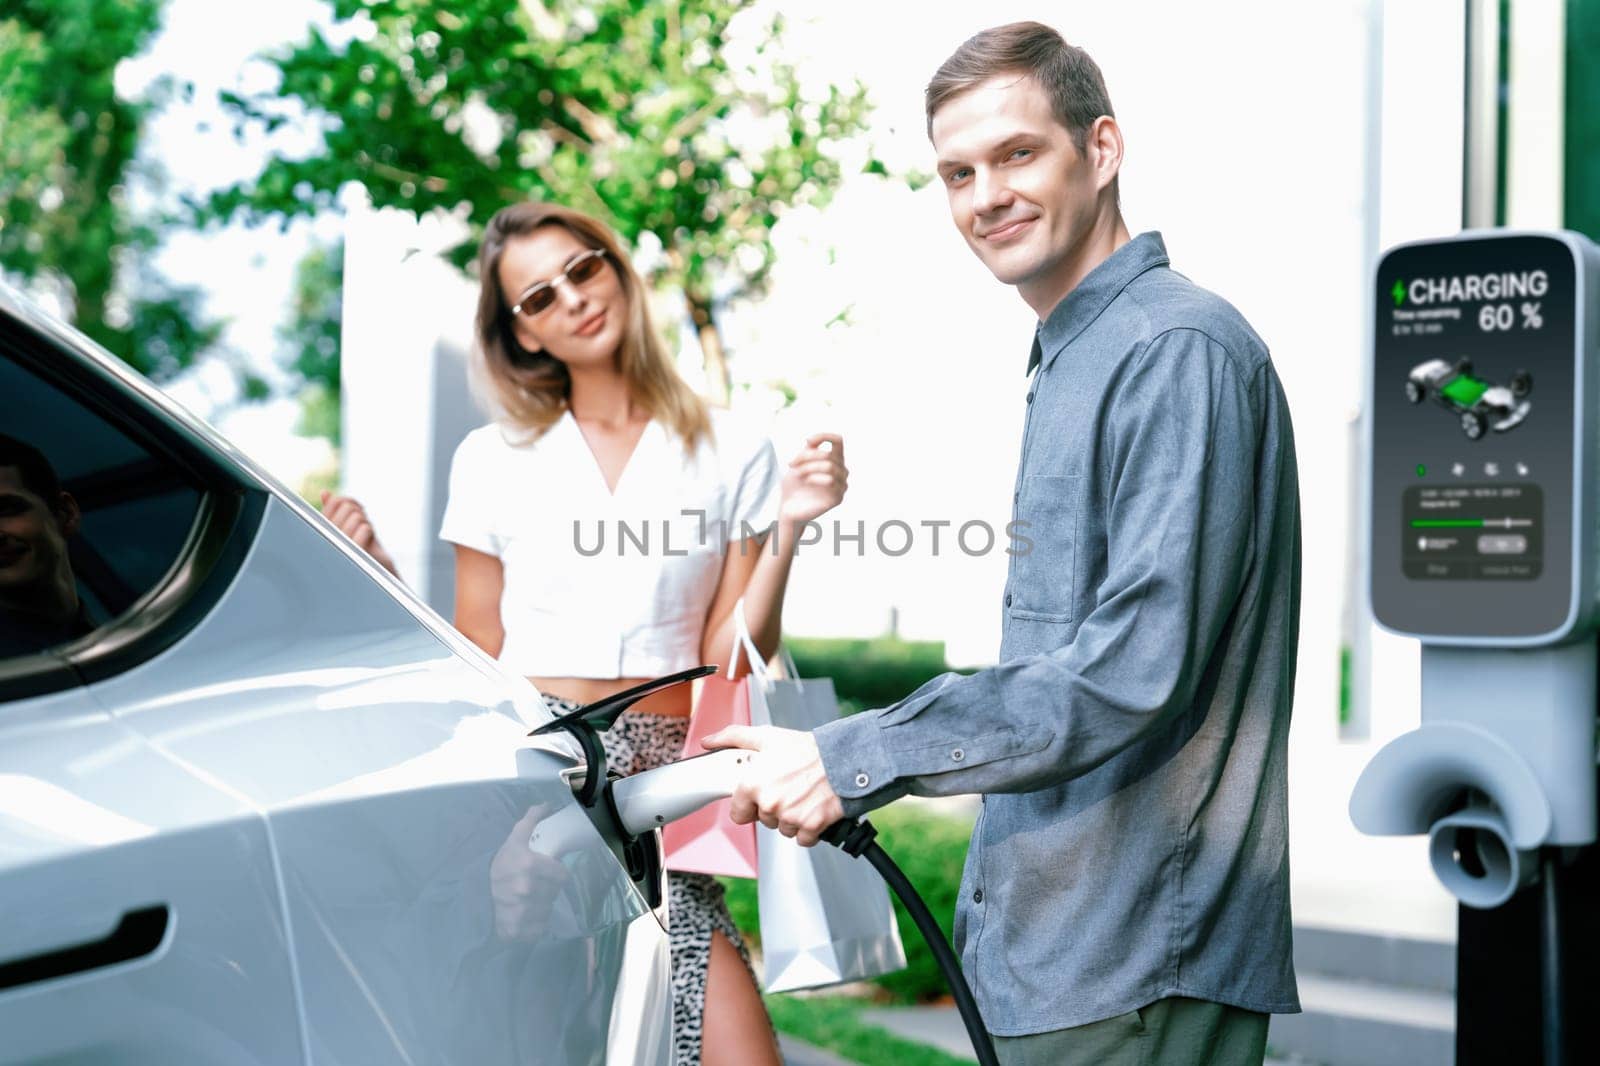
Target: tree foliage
<point x="672" y="118"/>
<point x="68" y="148"/>
<point x="312" y="337"/>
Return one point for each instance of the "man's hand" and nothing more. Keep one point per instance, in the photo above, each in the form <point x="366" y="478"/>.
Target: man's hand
<point x="784" y="784"/>
<point x="523" y="884"/>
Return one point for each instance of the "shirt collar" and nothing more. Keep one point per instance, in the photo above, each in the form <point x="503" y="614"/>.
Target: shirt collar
<point x="1084" y="303"/>
<point x="582" y="458"/>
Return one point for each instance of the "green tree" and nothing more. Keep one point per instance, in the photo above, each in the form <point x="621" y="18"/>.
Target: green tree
<point x="672" y="118"/>
<point x="312" y="337"/>
<point x="68" y="148"/>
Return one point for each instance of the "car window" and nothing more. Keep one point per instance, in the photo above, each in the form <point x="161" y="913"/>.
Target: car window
<point x="91" y="520"/>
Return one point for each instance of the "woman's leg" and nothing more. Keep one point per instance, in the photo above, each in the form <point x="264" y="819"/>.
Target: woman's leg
<point x="736" y="1029"/>
<point x="715" y="1005"/>
<point x="717" y="1014"/>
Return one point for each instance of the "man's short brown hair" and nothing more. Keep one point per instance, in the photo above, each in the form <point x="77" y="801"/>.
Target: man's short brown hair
<point x="33" y="469"/>
<point x="1077" y="91"/>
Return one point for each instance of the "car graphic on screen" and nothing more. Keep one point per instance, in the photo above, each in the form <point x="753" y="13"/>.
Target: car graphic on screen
<point x="1479" y="405"/>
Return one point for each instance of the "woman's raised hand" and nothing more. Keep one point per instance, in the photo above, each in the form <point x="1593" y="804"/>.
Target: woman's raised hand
<point x="816" y="479"/>
<point x="347" y="513"/>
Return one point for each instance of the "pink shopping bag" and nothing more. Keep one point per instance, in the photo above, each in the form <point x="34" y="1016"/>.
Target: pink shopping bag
<point x="707" y="842"/>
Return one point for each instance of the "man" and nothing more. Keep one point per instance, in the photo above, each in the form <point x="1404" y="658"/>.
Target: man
<point x="39" y="604"/>
<point x="1126" y="896"/>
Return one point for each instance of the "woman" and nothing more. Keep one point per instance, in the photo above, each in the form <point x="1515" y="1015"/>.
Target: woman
<point x="604" y="528"/>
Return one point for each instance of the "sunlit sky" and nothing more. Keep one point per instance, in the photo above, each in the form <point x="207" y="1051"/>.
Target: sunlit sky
<point x="245" y="273"/>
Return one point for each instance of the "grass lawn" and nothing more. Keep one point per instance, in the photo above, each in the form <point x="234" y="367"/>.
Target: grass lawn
<point x="834" y="1024"/>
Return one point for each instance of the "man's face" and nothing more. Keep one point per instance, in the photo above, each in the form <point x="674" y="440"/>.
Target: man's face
<point x="33" y="537"/>
<point x="1022" y="195"/>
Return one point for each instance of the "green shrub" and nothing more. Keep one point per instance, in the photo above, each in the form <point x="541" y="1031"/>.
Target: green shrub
<point x="742" y="906"/>
<point x="868" y="673"/>
<point x="930" y="848"/>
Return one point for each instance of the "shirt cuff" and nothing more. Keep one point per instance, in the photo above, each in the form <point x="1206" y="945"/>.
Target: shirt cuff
<point x="857" y="763"/>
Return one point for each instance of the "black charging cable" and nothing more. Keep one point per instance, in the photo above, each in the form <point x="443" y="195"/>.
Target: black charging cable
<point x="859" y="838"/>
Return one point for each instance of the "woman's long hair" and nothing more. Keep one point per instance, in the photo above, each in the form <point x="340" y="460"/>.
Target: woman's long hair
<point x="531" y="389"/>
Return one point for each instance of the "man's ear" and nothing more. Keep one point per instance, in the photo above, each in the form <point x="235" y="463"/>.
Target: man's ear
<point x="1103" y="146"/>
<point x="67" y="514"/>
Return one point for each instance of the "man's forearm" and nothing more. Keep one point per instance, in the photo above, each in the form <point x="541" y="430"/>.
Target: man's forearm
<point x="938" y="741"/>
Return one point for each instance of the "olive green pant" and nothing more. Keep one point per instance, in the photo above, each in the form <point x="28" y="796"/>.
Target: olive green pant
<point x="1168" y="1032"/>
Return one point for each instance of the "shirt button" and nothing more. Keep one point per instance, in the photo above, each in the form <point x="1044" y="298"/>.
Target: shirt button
<point x="958" y="755"/>
<point x="862" y="780"/>
<point x="977" y="896"/>
<point x="1030" y="395"/>
<point x="1008" y="599"/>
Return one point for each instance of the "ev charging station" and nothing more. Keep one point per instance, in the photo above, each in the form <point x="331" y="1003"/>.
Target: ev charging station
<point x="1483" y="537"/>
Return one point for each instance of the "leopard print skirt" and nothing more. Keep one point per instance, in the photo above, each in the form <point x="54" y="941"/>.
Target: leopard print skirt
<point x="696" y="907"/>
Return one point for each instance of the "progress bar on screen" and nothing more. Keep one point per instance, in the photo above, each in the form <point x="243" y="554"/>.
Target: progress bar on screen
<point x="1471" y="523"/>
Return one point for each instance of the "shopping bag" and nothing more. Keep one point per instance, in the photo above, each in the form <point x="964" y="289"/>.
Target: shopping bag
<point x="708" y="841"/>
<point x="825" y="916"/>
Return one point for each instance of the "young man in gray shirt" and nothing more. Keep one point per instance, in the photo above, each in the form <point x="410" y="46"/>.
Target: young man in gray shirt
<point x="1126" y="893"/>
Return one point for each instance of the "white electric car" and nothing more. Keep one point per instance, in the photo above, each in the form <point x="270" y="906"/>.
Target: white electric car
<point x="260" y="805"/>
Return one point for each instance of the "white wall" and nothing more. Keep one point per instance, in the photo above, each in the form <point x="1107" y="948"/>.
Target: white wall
<point x="1342" y="878"/>
<point x="406" y="334"/>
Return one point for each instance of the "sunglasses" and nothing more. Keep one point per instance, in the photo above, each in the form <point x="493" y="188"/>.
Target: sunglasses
<point x="581" y="269"/>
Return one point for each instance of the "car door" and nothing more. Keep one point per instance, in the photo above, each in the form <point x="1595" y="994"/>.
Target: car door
<point x="443" y="897"/>
<point x="140" y="917"/>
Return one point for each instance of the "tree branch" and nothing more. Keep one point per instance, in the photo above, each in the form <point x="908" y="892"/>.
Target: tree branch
<point x="598" y="128"/>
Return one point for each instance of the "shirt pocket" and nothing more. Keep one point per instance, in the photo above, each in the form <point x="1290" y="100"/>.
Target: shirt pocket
<point x="1046" y="554"/>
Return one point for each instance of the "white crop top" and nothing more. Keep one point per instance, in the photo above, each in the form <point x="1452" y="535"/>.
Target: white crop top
<point x="600" y="585"/>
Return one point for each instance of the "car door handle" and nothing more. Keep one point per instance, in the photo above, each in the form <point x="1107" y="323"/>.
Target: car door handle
<point x="138" y="934"/>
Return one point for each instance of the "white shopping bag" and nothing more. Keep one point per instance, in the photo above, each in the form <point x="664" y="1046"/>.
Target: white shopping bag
<point x="825" y="916"/>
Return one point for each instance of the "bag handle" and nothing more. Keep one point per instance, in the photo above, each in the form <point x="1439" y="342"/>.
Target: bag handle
<point x="743" y="640"/>
<point x="791" y="672"/>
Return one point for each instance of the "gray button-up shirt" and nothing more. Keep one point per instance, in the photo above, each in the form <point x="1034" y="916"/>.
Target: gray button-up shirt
<point x="1131" y="743"/>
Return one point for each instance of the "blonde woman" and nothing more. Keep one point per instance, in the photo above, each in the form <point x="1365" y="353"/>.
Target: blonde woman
<point x="604" y="527"/>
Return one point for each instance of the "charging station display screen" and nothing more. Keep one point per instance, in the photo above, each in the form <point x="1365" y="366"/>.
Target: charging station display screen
<point x="1473" y="408"/>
